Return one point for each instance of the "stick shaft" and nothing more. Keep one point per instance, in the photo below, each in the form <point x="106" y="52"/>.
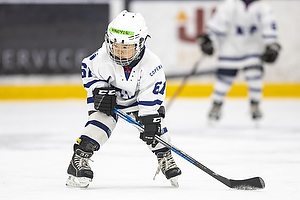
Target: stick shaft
<point x="198" y="73"/>
<point x="173" y="148"/>
<point x="246" y="184"/>
<point x="183" y="83"/>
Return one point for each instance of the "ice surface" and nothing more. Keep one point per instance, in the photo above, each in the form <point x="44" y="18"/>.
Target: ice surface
<point x="37" y="137"/>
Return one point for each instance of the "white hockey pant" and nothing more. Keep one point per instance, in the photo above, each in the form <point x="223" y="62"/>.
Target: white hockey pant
<point x="253" y="77"/>
<point x="100" y="127"/>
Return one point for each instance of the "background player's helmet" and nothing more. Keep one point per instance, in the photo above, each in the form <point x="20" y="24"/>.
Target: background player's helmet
<point x="127" y="29"/>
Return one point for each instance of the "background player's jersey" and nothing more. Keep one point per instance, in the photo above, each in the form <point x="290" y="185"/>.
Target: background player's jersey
<point x="241" y="32"/>
<point x="141" y="88"/>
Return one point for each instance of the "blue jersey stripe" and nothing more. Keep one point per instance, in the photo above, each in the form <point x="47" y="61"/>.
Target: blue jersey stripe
<point x="150" y="103"/>
<point x="123" y="107"/>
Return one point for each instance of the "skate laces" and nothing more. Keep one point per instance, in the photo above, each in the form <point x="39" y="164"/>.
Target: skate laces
<point x="165" y="162"/>
<point x="255" y="110"/>
<point x="81" y="162"/>
<point x="160" y="166"/>
<point x="215" y="110"/>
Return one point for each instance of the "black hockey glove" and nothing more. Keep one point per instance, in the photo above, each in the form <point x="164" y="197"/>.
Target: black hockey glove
<point x="105" y="100"/>
<point x="271" y="53"/>
<point x="206" y="44"/>
<point x="152" y="127"/>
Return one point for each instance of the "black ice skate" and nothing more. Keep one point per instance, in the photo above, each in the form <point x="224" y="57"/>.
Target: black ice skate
<point x="215" y="112"/>
<point x="168" y="167"/>
<point x="79" y="170"/>
<point x="255" y="111"/>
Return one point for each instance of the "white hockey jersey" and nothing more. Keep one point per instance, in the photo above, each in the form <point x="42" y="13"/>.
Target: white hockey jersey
<point x="141" y="88"/>
<point x="241" y="32"/>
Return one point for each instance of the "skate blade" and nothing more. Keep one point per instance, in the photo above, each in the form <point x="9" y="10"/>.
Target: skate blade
<point x="79" y="182"/>
<point x="174" y="181"/>
<point x="256" y="123"/>
<point x="212" y="122"/>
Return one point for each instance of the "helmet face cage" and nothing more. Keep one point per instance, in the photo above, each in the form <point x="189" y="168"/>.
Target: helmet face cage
<point x="123" y="54"/>
<point x="125" y="37"/>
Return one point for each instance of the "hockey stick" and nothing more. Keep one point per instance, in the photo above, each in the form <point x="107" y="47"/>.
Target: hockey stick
<point x="183" y="82"/>
<point x="200" y="73"/>
<point x="245" y="184"/>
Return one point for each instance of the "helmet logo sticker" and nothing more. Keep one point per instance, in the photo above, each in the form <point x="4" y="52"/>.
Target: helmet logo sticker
<point x="121" y="32"/>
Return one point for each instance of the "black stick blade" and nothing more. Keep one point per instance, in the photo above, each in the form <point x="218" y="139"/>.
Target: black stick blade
<point x="248" y="184"/>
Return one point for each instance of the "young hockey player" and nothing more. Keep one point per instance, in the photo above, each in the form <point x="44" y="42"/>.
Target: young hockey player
<point x="244" y="33"/>
<point x="124" y="74"/>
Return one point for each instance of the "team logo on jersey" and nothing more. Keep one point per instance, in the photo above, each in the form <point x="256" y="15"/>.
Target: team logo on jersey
<point x="156" y="69"/>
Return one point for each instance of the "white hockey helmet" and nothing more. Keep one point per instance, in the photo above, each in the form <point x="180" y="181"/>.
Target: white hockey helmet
<point x="127" y="32"/>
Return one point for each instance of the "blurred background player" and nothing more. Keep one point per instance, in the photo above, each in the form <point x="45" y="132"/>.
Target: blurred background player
<point x="123" y="73"/>
<point x="244" y="33"/>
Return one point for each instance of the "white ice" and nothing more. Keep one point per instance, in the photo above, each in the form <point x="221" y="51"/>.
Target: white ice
<point x="36" y="139"/>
